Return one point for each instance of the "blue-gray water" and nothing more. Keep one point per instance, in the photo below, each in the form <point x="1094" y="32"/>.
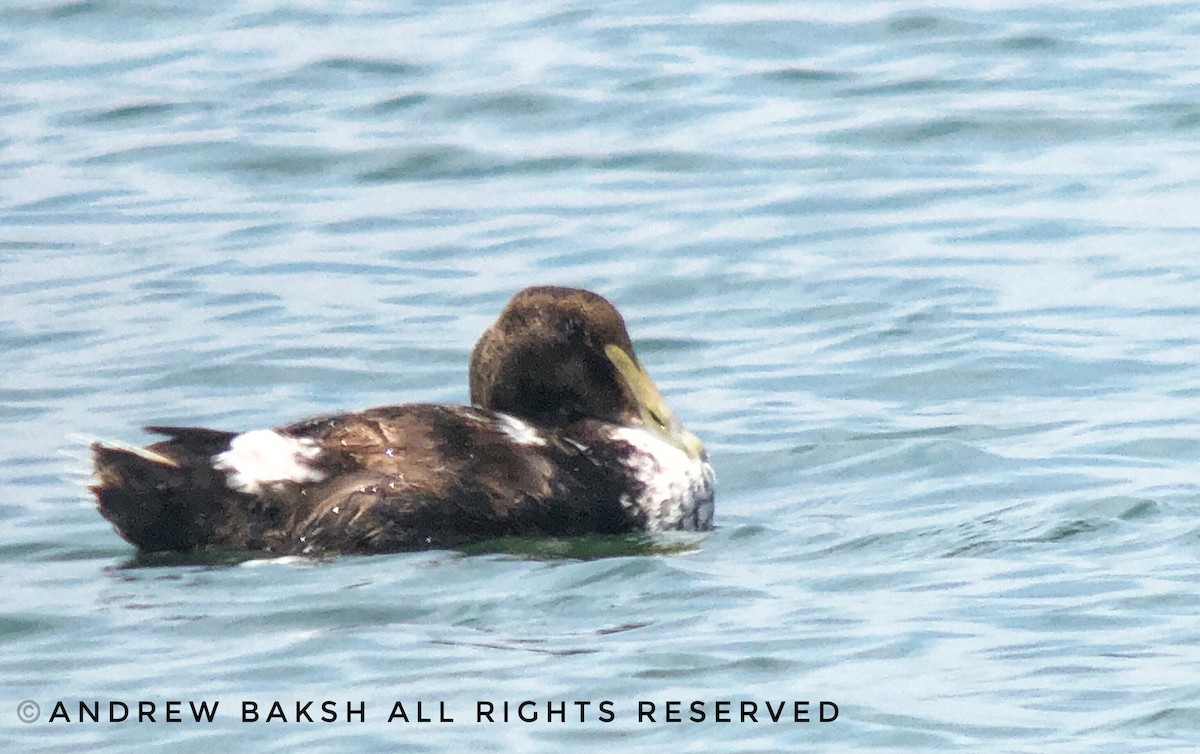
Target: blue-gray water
<point x="924" y="277"/>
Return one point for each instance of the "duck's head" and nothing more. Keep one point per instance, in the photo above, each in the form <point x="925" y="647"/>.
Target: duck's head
<point x="558" y="355"/>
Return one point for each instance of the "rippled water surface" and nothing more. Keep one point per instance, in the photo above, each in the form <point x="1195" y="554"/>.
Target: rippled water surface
<point x="924" y="278"/>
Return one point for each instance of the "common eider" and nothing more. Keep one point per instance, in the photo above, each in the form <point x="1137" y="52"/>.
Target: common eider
<point x="567" y="436"/>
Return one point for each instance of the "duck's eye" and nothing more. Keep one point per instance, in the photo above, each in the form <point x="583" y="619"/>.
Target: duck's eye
<point x="658" y="420"/>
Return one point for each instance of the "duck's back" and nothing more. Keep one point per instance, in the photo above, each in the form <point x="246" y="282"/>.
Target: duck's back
<point x="387" y="479"/>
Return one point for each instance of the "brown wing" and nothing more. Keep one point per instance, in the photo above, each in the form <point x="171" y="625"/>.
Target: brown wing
<point x="393" y="478"/>
<point x="417" y="476"/>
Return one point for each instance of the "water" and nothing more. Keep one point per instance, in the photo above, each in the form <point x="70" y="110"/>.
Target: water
<point x="924" y="278"/>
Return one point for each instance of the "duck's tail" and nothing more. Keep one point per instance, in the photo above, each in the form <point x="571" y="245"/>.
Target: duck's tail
<point x="158" y="497"/>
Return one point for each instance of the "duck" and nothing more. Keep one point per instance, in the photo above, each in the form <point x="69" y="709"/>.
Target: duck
<point x="566" y="436"/>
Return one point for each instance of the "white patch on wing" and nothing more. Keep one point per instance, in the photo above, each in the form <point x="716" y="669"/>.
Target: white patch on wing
<point x="264" y="457"/>
<point x="520" y="432"/>
<point x="678" y="491"/>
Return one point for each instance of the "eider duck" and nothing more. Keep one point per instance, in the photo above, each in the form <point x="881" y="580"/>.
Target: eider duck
<point x="567" y="436"/>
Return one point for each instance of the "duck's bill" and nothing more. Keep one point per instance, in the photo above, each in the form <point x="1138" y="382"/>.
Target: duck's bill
<point x="656" y="416"/>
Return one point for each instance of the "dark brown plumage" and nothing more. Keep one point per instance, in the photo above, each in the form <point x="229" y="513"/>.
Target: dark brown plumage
<point x="567" y="437"/>
<point x="543" y="359"/>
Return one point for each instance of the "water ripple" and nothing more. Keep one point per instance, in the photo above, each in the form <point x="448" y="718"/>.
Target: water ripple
<point x="923" y="278"/>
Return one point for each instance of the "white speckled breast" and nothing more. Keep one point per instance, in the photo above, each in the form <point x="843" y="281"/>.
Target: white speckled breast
<point x="677" y="489"/>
